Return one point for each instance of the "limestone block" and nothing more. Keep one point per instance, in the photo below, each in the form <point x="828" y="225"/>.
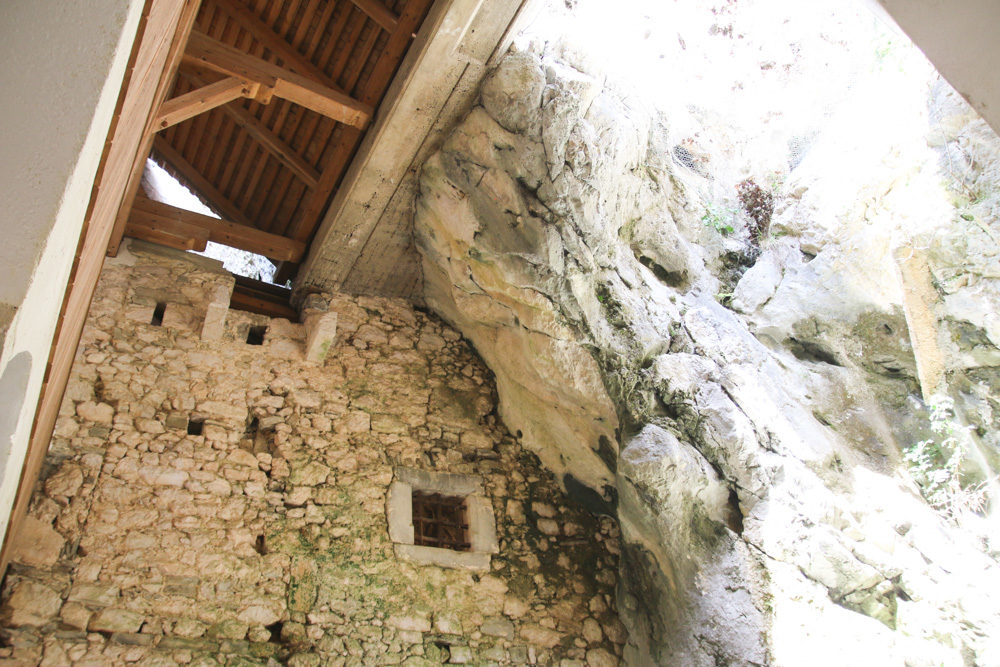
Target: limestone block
<point x="221" y="410"/>
<point x="540" y="636"/>
<point x="215" y="314"/>
<point x="259" y="614"/>
<point x="76" y="615"/>
<point x="599" y="657"/>
<point x="101" y="413"/>
<point x="305" y="398"/>
<point x="482" y="524"/>
<point x="31" y="603"/>
<point x="171" y="478"/>
<point x="37" y="543"/>
<point x="311" y="474"/>
<point x="448" y="624"/>
<point x="382" y="423"/>
<point x="321" y="334"/>
<point x="179" y="316"/>
<point x="298" y="496"/>
<point x="399" y="512"/>
<point x="151" y="426"/>
<point x="513" y="92"/>
<point x="115" y="619"/>
<point x="548" y="526"/>
<point x="412" y="622"/>
<point x="592" y="631"/>
<point x="100" y="595"/>
<point x="460" y="655"/>
<point x="497" y="626"/>
<point x="140" y="309"/>
<point x="919" y="299"/>
<point x="462" y="560"/>
<point x="242" y="457"/>
<point x="449" y="484"/>
<point x="176" y="420"/>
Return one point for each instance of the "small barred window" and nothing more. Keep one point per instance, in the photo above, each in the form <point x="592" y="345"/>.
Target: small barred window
<point x="440" y="521"/>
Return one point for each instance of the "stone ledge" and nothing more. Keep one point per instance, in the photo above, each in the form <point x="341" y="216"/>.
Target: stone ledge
<point x="449" y="484"/>
<point x="464" y="560"/>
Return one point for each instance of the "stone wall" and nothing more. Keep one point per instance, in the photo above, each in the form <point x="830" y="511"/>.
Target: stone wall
<point x="265" y="536"/>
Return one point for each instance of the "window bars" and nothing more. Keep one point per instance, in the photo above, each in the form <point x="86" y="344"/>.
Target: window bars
<point x="440" y="521"/>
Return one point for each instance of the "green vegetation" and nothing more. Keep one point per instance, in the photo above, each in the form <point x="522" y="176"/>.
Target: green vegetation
<point x="936" y="464"/>
<point x="719" y="217"/>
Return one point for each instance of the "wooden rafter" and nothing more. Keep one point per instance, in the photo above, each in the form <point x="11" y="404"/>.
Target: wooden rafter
<point x="212" y="54"/>
<point x="317" y="200"/>
<point x="274" y="43"/>
<point x="171" y="233"/>
<point x="265" y="137"/>
<point x="189" y="228"/>
<point x="173" y="61"/>
<point x="200" y="100"/>
<point x="202" y="186"/>
<point x="378" y="12"/>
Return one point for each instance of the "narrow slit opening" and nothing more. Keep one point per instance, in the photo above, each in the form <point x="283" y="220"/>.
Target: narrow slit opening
<point x="161" y="307"/>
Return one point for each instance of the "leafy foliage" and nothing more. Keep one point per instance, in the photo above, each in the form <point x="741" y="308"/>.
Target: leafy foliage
<point x="936" y="464"/>
<point x="719" y="218"/>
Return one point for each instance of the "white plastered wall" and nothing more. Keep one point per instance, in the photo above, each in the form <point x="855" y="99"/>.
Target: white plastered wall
<point x="61" y="69"/>
<point x="959" y="37"/>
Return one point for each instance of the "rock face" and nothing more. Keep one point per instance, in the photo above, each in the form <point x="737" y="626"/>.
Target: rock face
<point x="228" y="505"/>
<point x="752" y="457"/>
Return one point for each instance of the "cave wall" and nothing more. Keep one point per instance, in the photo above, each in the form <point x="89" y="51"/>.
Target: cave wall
<point x="756" y="465"/>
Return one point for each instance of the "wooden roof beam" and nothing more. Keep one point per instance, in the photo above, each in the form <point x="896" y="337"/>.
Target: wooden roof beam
<point x="153" y="217"/>
<point x="378" y="12"/>
<point x="265" y="137"/>
<point x="309" y="219"/>
<point x="200" y="100"/>
<point x="209" y="53"/>
<point x="171" y="233"/>
<point x="274" y="43"/>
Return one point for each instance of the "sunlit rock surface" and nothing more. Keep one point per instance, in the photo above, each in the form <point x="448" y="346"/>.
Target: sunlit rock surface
<point x="752" y="453"/>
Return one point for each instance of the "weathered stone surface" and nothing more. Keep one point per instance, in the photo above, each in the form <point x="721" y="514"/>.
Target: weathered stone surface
<point x="762" y="444"/>
<point x="114" y="619"/>
<point x="412" y="623"/>
<point x="259" y="615"/>
<point x="101" y="413"/>
<point x="37" y="544"/>
<point x="66" y="482"/>
<point x="497" y="626"/>
<point x="31" y="603"/>
<point x="536" y="634"/>
<point x="513" y="92"/>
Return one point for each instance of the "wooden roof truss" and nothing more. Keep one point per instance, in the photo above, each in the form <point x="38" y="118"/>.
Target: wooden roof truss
<point x="270" y="103"/>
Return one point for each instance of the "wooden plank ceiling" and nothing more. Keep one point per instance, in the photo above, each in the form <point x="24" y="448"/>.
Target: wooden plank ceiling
<point x="269" y="106"/>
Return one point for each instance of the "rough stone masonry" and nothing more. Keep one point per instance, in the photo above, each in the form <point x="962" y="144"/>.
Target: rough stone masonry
<point x="218" y="502"/>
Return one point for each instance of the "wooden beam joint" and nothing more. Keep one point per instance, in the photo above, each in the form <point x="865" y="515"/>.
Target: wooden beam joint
<point x="209" y="53"/>
<point x="265" y="137"/>
<point x="378" y="12"/>
<point x="200" y="100"/>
